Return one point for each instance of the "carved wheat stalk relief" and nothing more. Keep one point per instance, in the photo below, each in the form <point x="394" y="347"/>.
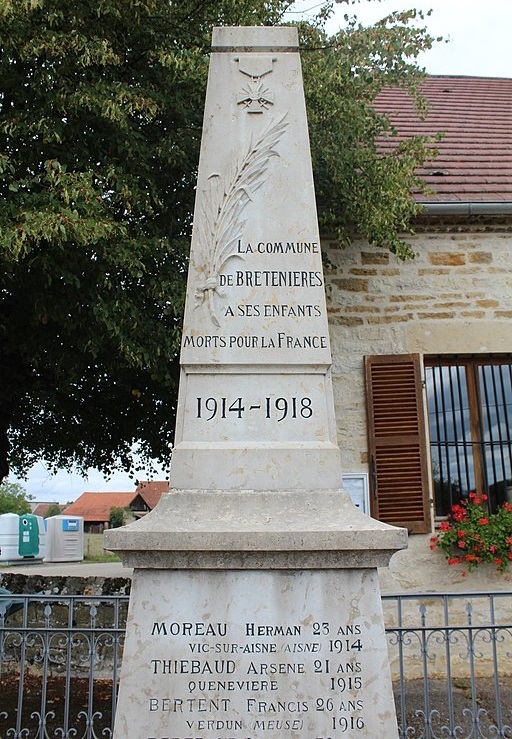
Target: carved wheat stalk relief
<point x="224" y="202"/>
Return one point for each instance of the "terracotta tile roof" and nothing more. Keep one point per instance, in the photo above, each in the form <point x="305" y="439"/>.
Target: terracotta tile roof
<point x="152" y="490"/>
<point x="96" y="506"/>
<point x="41" y="509"/>
<point x="474" y="164"/>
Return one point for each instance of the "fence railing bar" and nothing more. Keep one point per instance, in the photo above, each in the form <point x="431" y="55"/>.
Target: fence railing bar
<point x="439" y="638"/>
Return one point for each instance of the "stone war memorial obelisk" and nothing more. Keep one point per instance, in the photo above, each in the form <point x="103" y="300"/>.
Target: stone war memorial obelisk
<point x="255" y="609"/>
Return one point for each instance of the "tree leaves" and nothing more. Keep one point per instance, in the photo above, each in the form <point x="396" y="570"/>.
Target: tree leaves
<point x="359" y="189"/>
<point x="14" y="499"/>
<point x="100" y="122"/>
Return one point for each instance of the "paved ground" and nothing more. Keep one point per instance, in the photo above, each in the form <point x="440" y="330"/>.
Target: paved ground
<point x="69" y="569"/>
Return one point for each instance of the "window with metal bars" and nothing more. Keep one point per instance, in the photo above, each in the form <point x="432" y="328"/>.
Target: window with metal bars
<point x="469" y="402"/>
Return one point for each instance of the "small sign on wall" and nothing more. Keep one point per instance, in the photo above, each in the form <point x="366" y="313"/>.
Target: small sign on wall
<point x="356" y="485"/>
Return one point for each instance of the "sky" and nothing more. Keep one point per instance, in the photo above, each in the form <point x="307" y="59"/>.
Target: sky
<point x="478" y="32"/>
<point x="479" y="45"/>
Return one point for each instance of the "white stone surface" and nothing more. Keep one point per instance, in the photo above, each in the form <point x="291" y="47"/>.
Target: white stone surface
<point x="255" y="437"/>
<point x="257" y="530"/>
<point x="255" y="407"/>
<point x="253" y="655"/>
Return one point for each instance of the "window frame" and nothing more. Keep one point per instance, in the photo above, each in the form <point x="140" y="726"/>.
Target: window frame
<point x="479" y="415"/>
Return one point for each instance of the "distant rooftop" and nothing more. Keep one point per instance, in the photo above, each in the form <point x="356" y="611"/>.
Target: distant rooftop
<point x="474" y="164"/>
<point x="40" y="508"/>
<point x="152" y="491"/>
<point x="96" y="506"/>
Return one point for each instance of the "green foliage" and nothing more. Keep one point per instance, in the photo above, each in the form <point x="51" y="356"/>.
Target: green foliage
<point x="359" y="189"/>
<point x="53" y="510"/>
<point x="100" y="124"/>
<point x="14" y="499"/>
<point x="472" y="536"/>
<point x="117" y="517"/>
<point x="102" y="558"/>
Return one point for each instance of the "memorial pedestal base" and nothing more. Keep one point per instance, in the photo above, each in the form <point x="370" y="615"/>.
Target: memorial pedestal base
<point x="261" y="618"/>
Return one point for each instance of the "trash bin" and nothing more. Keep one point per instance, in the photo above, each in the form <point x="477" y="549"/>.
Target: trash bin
<point x="21" y="537"/>
<point x="64" y="539"/>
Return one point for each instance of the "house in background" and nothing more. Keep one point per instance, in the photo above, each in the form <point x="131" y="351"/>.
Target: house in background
<point x="41" y="508"/>
<point x="95" y="507"/>
<point x="152" y="490"/>
<point x="422" y="350"/>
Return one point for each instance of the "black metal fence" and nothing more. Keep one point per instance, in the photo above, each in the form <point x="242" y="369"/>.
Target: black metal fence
<point x="450" y="657"/>
<point x="59" y="665"/>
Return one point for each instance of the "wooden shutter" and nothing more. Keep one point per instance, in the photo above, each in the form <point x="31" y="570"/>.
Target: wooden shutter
<point x="397" y="443"/>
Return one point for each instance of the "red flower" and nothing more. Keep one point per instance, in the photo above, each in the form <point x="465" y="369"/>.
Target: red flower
<point x="472" y="558"/>
<point x="478" y="534"/>
<point x="454" y="560"/>
<point x="459" y="513"/>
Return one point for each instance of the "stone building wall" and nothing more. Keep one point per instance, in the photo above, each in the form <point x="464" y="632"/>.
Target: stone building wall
<point x="454" y="297"/>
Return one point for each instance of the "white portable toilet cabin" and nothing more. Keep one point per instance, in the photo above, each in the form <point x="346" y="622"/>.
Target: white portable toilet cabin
<point x="64" y="539"/>
<point x="22" y="537"/>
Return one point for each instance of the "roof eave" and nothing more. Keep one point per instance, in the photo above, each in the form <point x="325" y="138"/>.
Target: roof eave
<point x="468" y="208"/>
